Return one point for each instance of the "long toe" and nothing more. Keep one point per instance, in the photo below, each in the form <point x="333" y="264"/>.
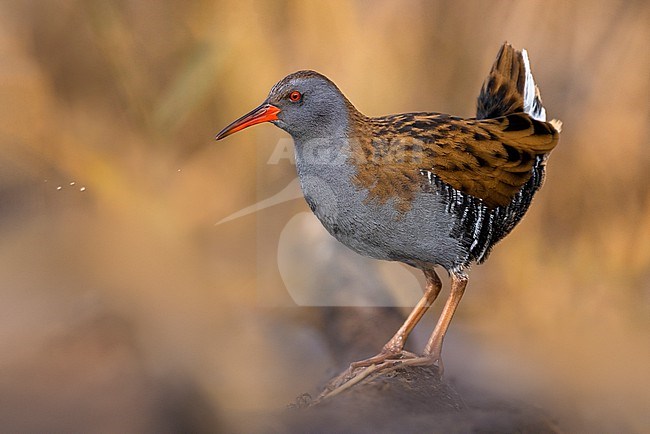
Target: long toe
<point x="382" y="357"/>
<point x="426" y="360"/>
<point x="382" y="363"/>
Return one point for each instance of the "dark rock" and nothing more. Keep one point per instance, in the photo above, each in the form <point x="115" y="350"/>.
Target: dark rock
<point x="412" y="400"/>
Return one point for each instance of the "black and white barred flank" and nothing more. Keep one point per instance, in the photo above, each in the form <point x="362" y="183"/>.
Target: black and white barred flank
<point x="481" y="227"/>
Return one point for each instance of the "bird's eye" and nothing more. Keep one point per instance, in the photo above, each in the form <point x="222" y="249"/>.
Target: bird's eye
<point x="295" y="96"/>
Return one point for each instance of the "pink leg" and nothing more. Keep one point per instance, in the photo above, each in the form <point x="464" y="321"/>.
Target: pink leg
<point x="433" y="348"/>
<point x="395" y="345"/>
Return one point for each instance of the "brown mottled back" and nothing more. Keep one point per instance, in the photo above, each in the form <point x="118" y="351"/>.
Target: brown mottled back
<point x="490" y="159"/>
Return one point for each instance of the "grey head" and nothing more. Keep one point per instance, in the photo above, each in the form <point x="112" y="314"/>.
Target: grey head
<point x="305" y="104"/>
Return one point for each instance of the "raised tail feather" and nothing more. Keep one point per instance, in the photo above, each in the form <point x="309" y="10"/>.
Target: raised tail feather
<point x="510" y="88"/>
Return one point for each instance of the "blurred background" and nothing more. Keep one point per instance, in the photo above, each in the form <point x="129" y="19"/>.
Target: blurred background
<point x="126" y="307"/>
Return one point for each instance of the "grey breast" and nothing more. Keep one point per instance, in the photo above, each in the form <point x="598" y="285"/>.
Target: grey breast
<point x="422" y="234"/>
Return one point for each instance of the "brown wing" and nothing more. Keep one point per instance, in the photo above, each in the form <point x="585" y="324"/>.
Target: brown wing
<point x="493" y="158"/>
<point x="490" y="159"/>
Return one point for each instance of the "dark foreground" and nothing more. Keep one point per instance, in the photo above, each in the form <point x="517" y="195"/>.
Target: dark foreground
<point x="412" y="399"/>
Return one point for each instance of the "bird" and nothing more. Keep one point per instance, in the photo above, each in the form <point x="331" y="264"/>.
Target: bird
<point x="429" y="190"/>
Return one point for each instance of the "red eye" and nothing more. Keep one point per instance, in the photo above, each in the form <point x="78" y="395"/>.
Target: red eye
<point x="295" y="96"/>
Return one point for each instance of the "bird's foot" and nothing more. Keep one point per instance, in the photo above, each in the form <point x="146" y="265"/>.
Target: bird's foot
<point x="385" y="355"/>
<point x="381" y="364"/>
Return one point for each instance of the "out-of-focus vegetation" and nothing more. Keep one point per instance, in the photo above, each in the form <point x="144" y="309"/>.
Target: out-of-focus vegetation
<point x="124" y="307"/>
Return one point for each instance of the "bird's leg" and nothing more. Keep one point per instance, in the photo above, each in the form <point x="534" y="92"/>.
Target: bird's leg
<point x="395" y="345"/>
<point x="433" y="348"/>
<point x="393" y="354"/>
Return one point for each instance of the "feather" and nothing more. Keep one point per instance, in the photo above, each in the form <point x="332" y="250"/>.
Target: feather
<point x="489" y="158"/>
